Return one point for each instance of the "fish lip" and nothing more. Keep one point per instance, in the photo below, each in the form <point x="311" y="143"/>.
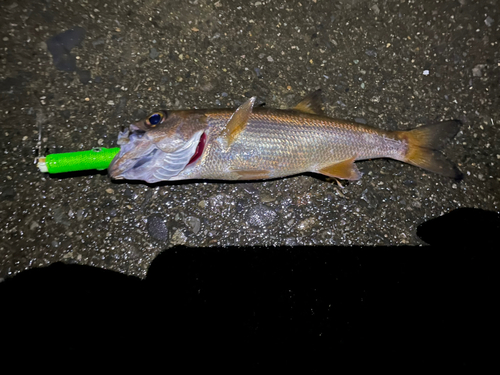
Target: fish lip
<point x="120" y="166"/>
<point x="134" y="146"/>
<point x="117" y="172"/>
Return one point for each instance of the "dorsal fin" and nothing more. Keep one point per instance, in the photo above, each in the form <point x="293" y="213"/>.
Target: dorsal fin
<point x="312" y="103"/>
<point x="238" y="121"/>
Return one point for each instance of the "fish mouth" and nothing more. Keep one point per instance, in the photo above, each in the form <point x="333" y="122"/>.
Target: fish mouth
<point x="141" y="159"/>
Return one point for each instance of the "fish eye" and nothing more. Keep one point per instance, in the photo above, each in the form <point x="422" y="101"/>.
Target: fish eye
<point x="156" y="118"/>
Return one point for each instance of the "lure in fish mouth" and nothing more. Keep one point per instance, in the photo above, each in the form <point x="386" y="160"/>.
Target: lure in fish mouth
<point x="259" y="143"/>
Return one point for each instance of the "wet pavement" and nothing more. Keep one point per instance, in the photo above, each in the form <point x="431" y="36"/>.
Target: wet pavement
<point x="82" y="70"/>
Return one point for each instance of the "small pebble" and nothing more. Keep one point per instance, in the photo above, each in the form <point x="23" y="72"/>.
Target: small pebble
<point x="153" y="53"/>
<point x="179" y="238"/>
<point x="157" y="228"/>
<point x="261" y="216"/>
<point x="477" y="70"/>
<point x="306" y="224"/>
<point x="194" y="223"/>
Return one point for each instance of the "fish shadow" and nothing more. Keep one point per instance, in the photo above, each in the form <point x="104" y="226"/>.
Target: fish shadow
<point x="317" y="176"/>
<point x="66" y="175"/>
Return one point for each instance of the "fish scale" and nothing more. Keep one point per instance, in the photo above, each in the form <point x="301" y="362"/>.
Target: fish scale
<point x="292" y="141"/>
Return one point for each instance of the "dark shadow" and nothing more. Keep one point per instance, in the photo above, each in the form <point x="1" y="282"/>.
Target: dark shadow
<point x="350" y="297"/>
<point x="67" y="309"/>
<point x="66" y="175"/>
<point x="464" y="227"/>
<point x="194" y="181"/>
<point x="229" y="182"/>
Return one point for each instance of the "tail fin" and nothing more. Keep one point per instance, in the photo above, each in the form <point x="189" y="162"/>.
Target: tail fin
<point x="424" y="144"/>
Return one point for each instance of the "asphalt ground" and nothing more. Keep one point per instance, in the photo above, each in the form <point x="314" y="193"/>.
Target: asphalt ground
<point x="82" y="71"/>
<point x="286" y="251"/>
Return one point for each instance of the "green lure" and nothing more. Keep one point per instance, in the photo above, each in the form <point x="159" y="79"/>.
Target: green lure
<point x="98" y="158"/>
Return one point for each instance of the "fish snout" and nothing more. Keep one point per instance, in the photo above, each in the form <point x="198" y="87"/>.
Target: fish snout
<point x="135" y="150"/>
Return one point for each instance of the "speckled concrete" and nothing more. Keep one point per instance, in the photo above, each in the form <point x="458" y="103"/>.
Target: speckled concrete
<point x="391" y="64"/>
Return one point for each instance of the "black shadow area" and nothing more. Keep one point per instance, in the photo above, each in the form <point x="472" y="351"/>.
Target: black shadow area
<point x="469" y="228"/>
<point x="384" y="299"/>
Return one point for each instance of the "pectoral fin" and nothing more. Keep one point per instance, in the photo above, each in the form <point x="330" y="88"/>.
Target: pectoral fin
<point x="312" y="104"/>
<point x="238" y="121"/>
<point x="345" y="170"/>
<point x="253" y="174"/>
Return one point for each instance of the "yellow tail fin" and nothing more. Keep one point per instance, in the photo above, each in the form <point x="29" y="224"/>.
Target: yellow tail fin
<point x="424" y="144"/>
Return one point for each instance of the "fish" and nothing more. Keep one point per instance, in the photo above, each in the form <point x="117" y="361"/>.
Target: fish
<point x="258" y="143"/>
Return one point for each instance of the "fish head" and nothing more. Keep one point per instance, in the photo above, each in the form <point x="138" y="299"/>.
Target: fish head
<point x="160" y="146"/>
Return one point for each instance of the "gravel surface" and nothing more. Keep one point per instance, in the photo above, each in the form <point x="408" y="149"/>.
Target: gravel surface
<point x="82" y="70"/>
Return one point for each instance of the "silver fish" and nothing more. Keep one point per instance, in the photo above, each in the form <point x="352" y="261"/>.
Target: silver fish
<point x="252" y="143"/>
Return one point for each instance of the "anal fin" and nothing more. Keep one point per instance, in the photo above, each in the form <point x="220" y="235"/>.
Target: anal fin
<point x="345" y="170"/>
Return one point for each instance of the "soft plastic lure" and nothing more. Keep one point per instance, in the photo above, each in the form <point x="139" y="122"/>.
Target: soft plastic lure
<point x="98" y="158"/>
